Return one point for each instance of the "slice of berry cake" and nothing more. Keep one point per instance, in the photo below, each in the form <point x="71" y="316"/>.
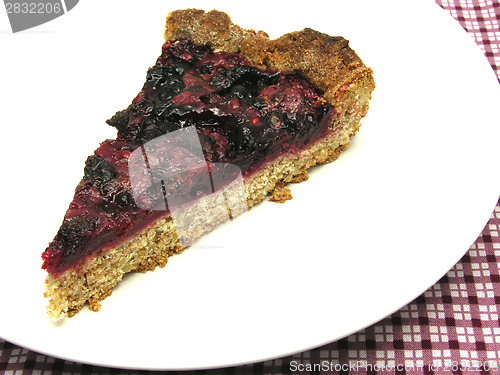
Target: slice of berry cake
<point x="226" y="117"/>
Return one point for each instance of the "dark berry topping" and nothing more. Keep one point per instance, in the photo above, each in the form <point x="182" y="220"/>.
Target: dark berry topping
<point x="123" y="199"/>
<point x="98" y="170"/>
<point x="243" y="116"/>
<point x="119" y="120"/>
<point x="252" y="79"/>
<point x="206" y="69"/>
<point x="75" y="232"/>
<point x="165" y="82"/>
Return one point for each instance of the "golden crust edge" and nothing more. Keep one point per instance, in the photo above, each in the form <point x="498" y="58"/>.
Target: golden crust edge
<point x="328" y="62"/>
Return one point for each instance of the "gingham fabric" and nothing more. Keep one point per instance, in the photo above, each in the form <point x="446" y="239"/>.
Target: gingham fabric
<point x="453" y="328"/>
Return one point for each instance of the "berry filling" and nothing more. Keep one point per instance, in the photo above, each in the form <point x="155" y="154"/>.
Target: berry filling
<point x="243" y="116"/>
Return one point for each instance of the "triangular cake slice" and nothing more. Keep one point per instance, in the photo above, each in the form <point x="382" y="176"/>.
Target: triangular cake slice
<point x="226" y="117"/>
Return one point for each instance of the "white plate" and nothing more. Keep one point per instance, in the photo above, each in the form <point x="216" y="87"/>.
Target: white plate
<point x="362" y="238"/>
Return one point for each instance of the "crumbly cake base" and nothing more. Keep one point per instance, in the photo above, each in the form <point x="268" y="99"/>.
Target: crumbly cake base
<point x="94" y="280"/>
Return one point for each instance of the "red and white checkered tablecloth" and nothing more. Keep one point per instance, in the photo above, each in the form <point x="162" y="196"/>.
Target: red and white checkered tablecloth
<point x="454" y="327"/>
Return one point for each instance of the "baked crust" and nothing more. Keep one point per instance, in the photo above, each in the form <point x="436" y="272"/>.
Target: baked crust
<point x="327" y="62"/>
